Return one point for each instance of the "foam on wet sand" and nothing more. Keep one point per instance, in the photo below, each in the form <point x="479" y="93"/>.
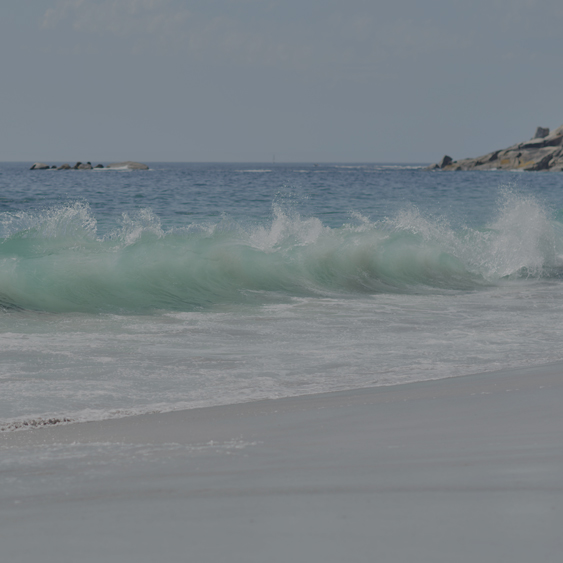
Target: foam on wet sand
<point x="464" y="469"/>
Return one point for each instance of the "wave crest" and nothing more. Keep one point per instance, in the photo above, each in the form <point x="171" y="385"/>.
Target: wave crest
<point x="53" y="260"/>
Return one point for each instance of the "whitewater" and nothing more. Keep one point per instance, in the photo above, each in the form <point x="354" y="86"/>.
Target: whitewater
<point x="189" y="285"/>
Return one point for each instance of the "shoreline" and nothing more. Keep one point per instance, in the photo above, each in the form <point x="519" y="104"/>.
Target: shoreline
<point x="423" y="389"/>
<point x="459" y="469"/>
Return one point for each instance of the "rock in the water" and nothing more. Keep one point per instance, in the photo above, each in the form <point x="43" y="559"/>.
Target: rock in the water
<point x="82" y="166"/>
<point x="99" y="166"/>
<point x="128" y="165"/>
<point x="64" y="167"/>
<point x="541" y="132"/>
<point x="40" y="166"/>
<point x="445" y="161"/>
<point x="543" y="152"/>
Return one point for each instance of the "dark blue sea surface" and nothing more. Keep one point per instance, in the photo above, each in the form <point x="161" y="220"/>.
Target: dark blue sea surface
<point x="183" y="192"/>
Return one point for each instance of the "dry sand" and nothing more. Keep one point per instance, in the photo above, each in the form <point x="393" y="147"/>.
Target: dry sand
<point x="460" y="470"/>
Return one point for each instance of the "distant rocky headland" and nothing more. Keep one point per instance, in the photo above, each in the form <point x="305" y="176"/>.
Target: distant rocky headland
<point x="128" y="165"/>
<point x="543" y="152"/>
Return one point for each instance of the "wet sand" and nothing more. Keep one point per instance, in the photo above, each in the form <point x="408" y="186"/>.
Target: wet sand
<point x="464" y="469"/>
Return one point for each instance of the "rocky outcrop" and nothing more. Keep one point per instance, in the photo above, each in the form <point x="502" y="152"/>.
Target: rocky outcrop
<point x="541" y="132"/>
<point x="82" y="166"/>
<point x="543" y="152"/>
<point x="128" y="165"/>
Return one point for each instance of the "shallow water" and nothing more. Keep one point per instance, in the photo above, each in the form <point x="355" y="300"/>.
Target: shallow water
<point x="201" y="284"/>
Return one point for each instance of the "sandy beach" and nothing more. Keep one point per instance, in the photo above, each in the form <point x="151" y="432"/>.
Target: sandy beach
<point x="462" y="469"/>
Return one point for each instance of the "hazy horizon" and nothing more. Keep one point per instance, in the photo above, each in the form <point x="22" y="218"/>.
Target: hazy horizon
<point x="242" y="80"/>
<point x="109" y="161"/>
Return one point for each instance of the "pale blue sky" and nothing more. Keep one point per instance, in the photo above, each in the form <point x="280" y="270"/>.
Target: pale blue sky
<point x="308" y="80"/>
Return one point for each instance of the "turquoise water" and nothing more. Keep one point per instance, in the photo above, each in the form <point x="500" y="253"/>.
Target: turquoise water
<point x="198" y="284"/>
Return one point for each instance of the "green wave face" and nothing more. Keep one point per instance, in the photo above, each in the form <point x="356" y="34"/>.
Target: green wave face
<point x="54" y="260"/>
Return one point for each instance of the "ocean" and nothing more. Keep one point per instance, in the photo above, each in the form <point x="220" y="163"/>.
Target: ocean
<point x="190" y="285"/>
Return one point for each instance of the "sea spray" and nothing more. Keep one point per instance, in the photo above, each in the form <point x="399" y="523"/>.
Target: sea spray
<point x="53" y="260"/>
<point x="523" y="239"/>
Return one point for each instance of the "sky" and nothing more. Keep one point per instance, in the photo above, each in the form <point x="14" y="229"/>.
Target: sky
<point x="298" y="80"/>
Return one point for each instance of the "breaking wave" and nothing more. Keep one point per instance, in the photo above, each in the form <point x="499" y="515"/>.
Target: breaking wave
<point x="54" y="260"/>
